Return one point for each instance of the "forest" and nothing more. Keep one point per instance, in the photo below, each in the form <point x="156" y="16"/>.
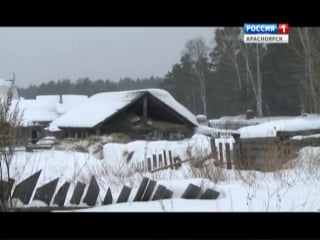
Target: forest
<point x="228" y="77"/>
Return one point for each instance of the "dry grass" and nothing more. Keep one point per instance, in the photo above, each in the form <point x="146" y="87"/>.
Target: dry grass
<point x="80" y="148"/>
<point x="118" y="138"/>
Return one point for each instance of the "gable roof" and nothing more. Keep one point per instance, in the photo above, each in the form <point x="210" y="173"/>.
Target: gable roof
<point x="102" y="106"/>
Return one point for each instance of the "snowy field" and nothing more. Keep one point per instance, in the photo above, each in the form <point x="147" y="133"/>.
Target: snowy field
<point x="295" y="188"/>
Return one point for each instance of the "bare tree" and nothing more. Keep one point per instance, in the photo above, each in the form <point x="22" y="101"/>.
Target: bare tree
<point x="10" y="122"/>
<point x="307" y="50"/>
<point x="252" y="54"/>
<point x="245" y="59"/>
<point x="198" y="51"/>
<point x="229" y="42"/>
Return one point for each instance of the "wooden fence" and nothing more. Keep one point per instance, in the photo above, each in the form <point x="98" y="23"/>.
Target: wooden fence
<point x="266" y="153"/>
<point x="148" y="190"/>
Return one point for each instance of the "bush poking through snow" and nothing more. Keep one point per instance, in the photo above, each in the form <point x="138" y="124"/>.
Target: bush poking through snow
<point x="80" y="148"/>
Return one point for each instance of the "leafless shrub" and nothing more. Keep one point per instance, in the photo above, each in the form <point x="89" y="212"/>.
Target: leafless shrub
<point x="10" y="125"/>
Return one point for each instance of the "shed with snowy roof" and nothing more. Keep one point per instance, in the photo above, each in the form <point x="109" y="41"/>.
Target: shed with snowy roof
<point x="140" y="114"/>
<point x="38" y="113"/>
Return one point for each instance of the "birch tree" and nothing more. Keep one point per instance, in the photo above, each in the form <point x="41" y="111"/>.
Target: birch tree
<point x="252" y="54"/>
<point x="245" y="59"/>
<point x="198" y="51"/>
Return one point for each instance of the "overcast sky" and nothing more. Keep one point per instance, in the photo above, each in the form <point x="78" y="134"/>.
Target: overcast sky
<point x="42" y="54"/>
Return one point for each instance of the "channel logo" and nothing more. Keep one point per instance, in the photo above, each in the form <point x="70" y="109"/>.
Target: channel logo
<point x="266" y="32"/>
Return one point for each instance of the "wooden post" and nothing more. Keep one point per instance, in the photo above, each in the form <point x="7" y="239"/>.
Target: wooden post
<point x="154" y="158"/>
<point x="165" y="157"/>
<point x="141" y="189"/>
<point x="213" y="147"/>
<point x="236" y="155"/>
<point x="98" y="131"/>
<point x="177" y="162"/>
<point x="228" y="156"/>
<point x="160" y="160"/>
<point x="149" y="164"/>
<point x="237" y="152"/>
<point x="145" y="110"/>
<point x="221" y="153"/>
<point x="170" y="160"/>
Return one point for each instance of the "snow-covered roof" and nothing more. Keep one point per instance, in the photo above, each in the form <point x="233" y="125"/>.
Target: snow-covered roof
<point x="47" y="108"/>
<point x="269" y="129"/>
<point x="101" y="106"/>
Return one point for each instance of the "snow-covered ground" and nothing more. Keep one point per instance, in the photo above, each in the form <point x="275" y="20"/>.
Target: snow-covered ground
<point x="295" y="188"/>
<point x="292" y="189"/>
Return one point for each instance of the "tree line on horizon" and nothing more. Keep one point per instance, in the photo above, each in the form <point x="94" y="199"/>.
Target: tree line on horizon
<point x="86" y="86"/>
<point x="227" y="78"/>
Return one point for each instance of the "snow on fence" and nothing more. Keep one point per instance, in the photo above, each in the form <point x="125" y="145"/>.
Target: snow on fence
<point x="148" y="190"/>
<point x="231" y="124"/>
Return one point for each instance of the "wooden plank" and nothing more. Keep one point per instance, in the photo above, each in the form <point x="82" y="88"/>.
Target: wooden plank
<point x="5" y="189"/>
<point x="221" y="152"/>
<point x="165" y="158"/>
<point x="45" y="192"/>
<point x="154" y="158"/>
<point x="149" y="164"/>
<point x="228" y="156"/>
<point x="124" y="194"/>
<point x="192" y="192"/>
<point x="259" y="145"/>
<point x="159" y="192"/>
<point x="210" y="194"/>
<point x="77" y="193"/>
<point x="92" y="192"/>
<point x="141" y="189"/>
<point x="264" y="140"/>
<point x="170" y="160"/>
<point x="160" y="161"/>
<point x="213" y="144"/>
<point x="61" y="195"/>
<point x="24" y="189"/>
<point x="149" y="190"/>
<point x="167" y="194"/>
<point x="108" y="199"/>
